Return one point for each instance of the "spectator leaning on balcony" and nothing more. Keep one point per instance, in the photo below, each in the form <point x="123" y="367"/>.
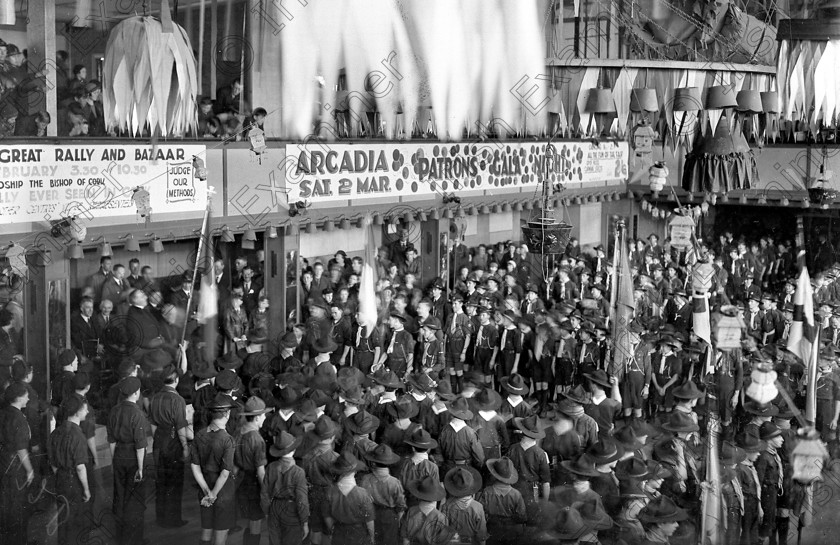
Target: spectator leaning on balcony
<point x="94" y="111"/>
<point x="79" y="79"/>
<point x="72" y="121"/>
<point x="227" y="100"/>
<point x="32" y="125"/>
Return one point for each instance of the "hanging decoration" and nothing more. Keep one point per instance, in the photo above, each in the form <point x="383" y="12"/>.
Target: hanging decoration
<point x="7" y="12"/>
<point x="149" y="77"/>
<point x="16" y="256"/>
<point x="142" y="200"/>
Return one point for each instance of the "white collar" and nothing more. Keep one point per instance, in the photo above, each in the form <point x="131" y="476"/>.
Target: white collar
<point x="285" y="414"/>
<point x="487" y="415"/>
<point x="418" y="457"/>
<point x="350" y="410"/>
<point x="597" y="399"/>
<point x="457" y="424"/>
<point x="514" y="400"/>
<point x="527" y="442"/>
<point x="387" y="397"/>
<point x="418" y="397"/>
<point x="439" y="407"/>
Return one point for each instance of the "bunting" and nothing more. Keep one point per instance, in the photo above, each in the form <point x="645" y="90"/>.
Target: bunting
<point x="625" y="305"/>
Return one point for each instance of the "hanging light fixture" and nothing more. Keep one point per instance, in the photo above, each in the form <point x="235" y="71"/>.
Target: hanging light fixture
<point x="486" y="209"/>
<point x="762" y="199"/>
<point x="743" y="198"/>
<point x="75" y="251"/>
<point x="528" y="205"/>
<point x="518" y="207"/>
<point x="227" y="235"/>
<point x="461" y="213"/>
<point x="157" y="245"/>
<point x="422" y="216"/>
<point x="578" y="201"/>
<point x="449" y="214"/>
<point x="272" y="231"/>
<point x="806" y="203"/>
<point x="311" y="229"/>
<point x="630" y="194"/>
<point x="472" y="211"/>
<point x="601" y="103"/>
<point x="785" y="201"/>
<point x="506" y="207"/>
<point x="435" y="215"/>
<point x="329" y="226"/>
<point x="131" y="244"/>
<point x="249" y="238"/>
<point x="377" y="219"/>
<point x="105" y="249"/>
<point x="408" y="217"/>
<point x="344" y="224"/>
<point x="293" y="229"/>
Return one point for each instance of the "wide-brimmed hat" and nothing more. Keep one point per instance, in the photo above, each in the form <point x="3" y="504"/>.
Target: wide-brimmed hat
<point x="284" y="443"/>
<point x="578" y="395"/>
<point x="422" y="382"/>
<point x="503" y="470"/>
<point x="403" y="407"/>
<point x="324" y="346"/>
<point x="462" y="481"/>
<point x="156" y="359"/>
<point x="529" y="426"/>
<point x="289" y="340"/>
<point x="201" y="369"/>
<point x="227" y="380"/>
<point x="631" y="488"/>
<point x="583" y="465"/>
<point x="386" y="378"/>
<point x="307" y="410"/>
<point x="606" y="450"/>
<point x="568" y="408"/>
<point x="515" y="384"/>
<point x="362" y="423"/>
<point x="432" y="323"/>
<point x="325" y="427"/>
<point x="626" y="436"/>
<point x="662" y="509"/>
<point x="680" y="422"/>
<point x="688" y="390"/>
<point x="487" y="399"/>
<point x="428" y="488"/>
<point x="444" y="390"/>
<point x="229" y="361"/>
<point x="382" y="455"/>
<point x="460" y="408"/>
<point x="219" y="403"/>
<point x="658" y="470"/>
<point x="761" y="409"/>
<point x="569" y="525"/>
<point x="731" y="454"/>
<point x="353" y="394"/>
<point x="593" y="518"/>
<point x="255" y="406"/>
<point x="285" y="398"/>
<point x="769" y="430"/>
<point x="632" y="468"/>
<point x="600" y="377"/>
<point x="421" y="439"/>
<point x="346" y="463"/>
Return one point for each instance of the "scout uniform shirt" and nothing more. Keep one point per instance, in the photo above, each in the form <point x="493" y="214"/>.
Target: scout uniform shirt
<point x="418" y="526"/>
<point x="399" y="345"/>
<point x="458" y="329"/>
<point x="533" y="467"/>
<point x="459" y="444"/>
<point x="466" y="517"/>
<point x="486" y="339"/>
<point x="286" y="492"/>
<point x="69" y="449"/>
<point x="388" y="502"/>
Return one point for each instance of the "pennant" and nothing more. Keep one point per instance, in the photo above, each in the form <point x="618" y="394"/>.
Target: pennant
<point x="701" y="319"/>
<point x="208" y="296"/>
<point x="621" y="92"/>
<point x="367" y="290"/>
<point x="590" y="81"/>
<point x="803" y="331"/>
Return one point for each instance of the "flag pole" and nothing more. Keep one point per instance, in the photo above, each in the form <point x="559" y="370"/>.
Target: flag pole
<point x="201" y="242"/>
<point x="619" y="240"/>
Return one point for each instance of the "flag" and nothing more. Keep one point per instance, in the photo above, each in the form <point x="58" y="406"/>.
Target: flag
<point x="712" y="529"/>
<point x="624" y="307"/>
<point x="208" y="295"/>
<point x="802" y="336"/>
<point x="701" y="322"/>
<point x="367" y="291"/>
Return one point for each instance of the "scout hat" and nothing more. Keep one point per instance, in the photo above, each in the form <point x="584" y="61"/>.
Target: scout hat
<point x="593" y="518"/>
<point x="307" y="410"/>
<point x="680" y="422"/>
<point x="688" y="390"/>
<point x="529" y="426"/>
<point x="569" y="408"/>
<point x="431" y="323"/>
<point x="353" y="395"/>
<point x="227" y="380"/>
<point x="769" y="430"/>
<point x="221" y="402"/>
<point x="255" y="406"/>
<point x="386" y="378"/>
<point x="750" y="442"/>
<point x="427" y="489"/>
<point x="761" y="409"/>
<point x="662" y="509"/>
<point x="462" y="481"/>
<point x="444" y="390"/>
<point x="460" y="409"/>
<point x="346" y="463"/>
<point x="325" y="427"/>
<point x="569" y="525"/>
<point x="605" y="451"/>
<point x="404" y="407"/>
<point x="487" y="400"/>
<point x="628" y="439"/>
<point x="422" y="382"/>
<point x="362" y="423"/>
<point x="503" y="470"/>
<point x="398" y="316"/>
<point x="421" y="439"/>
<point x="631" y="488"/>
<point x="284" y="443"/>
<point x="632" y="468"/>
<point x="382" y="455"/>
<point x="156" y="359"/>
<point x="229" y="361"/>
<point x="584" y="466"/>
<point x="324" y="346"/>
<point x="577" y="395"/>
<point x="514" y="384"/>
<point x="731" y="454"/>
<point x="599" y="377"/>
<point x="289" y="340"/>
<point x="285" y="398"/>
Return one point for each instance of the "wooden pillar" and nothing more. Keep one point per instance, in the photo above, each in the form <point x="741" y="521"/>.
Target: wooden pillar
<point x="40" y="44"/>
<point x="274" y="275"/>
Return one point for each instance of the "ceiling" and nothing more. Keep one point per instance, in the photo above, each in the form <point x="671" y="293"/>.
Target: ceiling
<point x="65" y="10"/>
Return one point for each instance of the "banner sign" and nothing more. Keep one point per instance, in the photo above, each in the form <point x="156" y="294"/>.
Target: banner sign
<point x="46" y="182"/>
<point x="322" y="172"/>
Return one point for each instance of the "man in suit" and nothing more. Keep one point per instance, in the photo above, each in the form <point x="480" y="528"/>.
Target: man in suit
<point x="222" y="280"/>
<point x="238" y="272"/>
<point x="180" y="298"/>
<point x="399" y="248"/>
<point x="564" y="290"/>
<point x="142" y="327"/>
<point x="83" y="335"/>
<point x="98" y="278"/>
<point x="135" y="279"/>
<point x="116" y="288"/>
<point x="148" y="283"/>
<point x="250" y="290"/>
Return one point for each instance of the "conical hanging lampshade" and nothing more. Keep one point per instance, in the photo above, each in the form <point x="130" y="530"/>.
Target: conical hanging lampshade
<point x="720" y="97"/>
<point x="131" y="244"/>
<point x="157" y="245"/>
<point x="600" y="101"/>
<point x="750" y="102"/>
<point x="75" y="251"/>
<point x="643" y="100"/>
<point x="770" y="102"/>
<point x="227" y="235"/>
<point x="105" y="249"/>
<point x="687" y="99"/>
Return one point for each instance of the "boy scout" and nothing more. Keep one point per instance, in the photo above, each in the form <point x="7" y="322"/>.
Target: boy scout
<point x="68" y="459"/>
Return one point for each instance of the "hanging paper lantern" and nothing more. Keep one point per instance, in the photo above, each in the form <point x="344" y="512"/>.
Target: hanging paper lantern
<point x="149" y="77"/>
<point x="704" y="208"/>
<point x="809" y="457"/>
<point x="658" y="176"/>
<point x="16" y="255"/>
<point x="713" y="198"/>
<point x="655" y="213"/>
<point x="257" y="138"/>
<point x="763" y="386"/>
<point x="199" y="170"/>
<point x="142" y="200"/>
